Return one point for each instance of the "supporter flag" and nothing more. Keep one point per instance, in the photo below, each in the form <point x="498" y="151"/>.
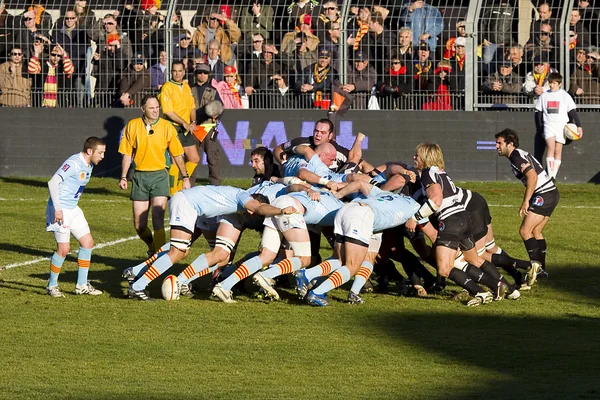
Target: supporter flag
<point x="204" y="129"/>
<point x="341" y="100"/>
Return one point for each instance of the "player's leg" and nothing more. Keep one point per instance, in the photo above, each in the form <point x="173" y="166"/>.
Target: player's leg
<point x="445" y="257"/>
<point x="140" y="223"/>
<point x="355" y="153"/>
<point x="159" y="205"/>
<point x="361" y="277"/>
<point x="84" y="256"/>
<point x="557" y="158"/>
<point x="299" y="241"/>
<point x="192" y="159"/>
<point x="542" y="246"/>
<point x="530" y="222"/>
<point x="227" y="236"/>
<point x="500" y="258"/>
<point x="550" y="144"/>
<point x="56" y="262"/>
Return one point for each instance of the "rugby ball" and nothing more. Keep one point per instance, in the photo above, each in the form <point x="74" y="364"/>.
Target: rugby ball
<point x="170" y="288"/>
<point x="571" y="133"/>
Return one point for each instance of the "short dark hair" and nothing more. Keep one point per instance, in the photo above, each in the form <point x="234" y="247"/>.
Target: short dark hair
<point x="328" y="122"/>
<point x="178" y="62"/>
<point x="555" y="77"/>
<point x="148" y="97"/>
<point x="92" y="142"/>
<point x="509" y="136"/>
<point x="377" y="17"/>
<point x="264" y="152"/>
<point x="261" y="198"/>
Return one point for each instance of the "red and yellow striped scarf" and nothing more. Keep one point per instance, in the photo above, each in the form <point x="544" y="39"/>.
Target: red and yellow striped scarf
<point x="363" y="29"/>
<point x="38" y="13"/>
<point x="461" y="61"/>
<point x="50" y="88"/>
<point x="235" y="93"/>
<point x="421" y="70"/>
<point x="540" y="78"/>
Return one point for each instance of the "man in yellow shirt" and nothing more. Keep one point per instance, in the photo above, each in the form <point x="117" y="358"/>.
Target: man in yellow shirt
<point x="146" y="140"/>
<point x="179" y="107"/>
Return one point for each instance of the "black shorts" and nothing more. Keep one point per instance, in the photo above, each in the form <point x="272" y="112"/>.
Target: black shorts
<point x="545" y="203"/>
<point x="453" y="232"/>
<point x="186" y="140"/>
<point x="479" y="216"/>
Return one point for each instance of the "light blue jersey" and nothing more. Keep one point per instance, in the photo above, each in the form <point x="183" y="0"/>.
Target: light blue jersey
<point x="320" y="212"/>
<point x="212" y="201"/>
<point x="315" y="165"/>
<point x="269" y="189"/>
<point x="75" y="174"/>
<point x="390" y="209"/>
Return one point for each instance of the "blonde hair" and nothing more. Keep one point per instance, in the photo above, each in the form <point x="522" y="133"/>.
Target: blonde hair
<point x="431" y="155"/>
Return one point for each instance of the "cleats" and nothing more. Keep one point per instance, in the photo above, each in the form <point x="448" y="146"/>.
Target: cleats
<point x="514" y="295"/>
<point x="185" y="289"/>
<point x="138" y="294"/>
<point x="128" y="275"/>
<point x="420" y="291"/>
<point x="266" y="284"/>
<point x="319" y="300"/>
<point x="87" y="289"/>
<point x="353" y="298"/>
<point x="500" y="291"/>
<point x="301" y="284"/>
<point x="226" y="296"/>
<point x="54" y="291"/>
<point x="368" y="287"/>
<point x="542" y="274"/>
<point x="216" y="278"/>
<point x="480" y="298"/>
<point x="533" y="272"/>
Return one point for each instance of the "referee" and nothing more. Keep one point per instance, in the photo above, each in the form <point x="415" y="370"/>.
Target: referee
<point x="148" y="138"/>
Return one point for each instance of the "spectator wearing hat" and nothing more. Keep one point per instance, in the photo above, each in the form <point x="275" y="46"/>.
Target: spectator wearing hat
<point x="261" y="71"/>
<point x="441" y="100"/>
<point x="423" y="68"/>
<point x="110" y="40"/>
<point x="317" y="79"/>
<point x="458" y="64"/>
<point x="158" y="71"/>
<point x="504" y="85"/>
<point x="225" y="36"/>
<point x="585" y="79"/>
<point x="257" y="18"/>
<point x="299" y="47"/>
<point x="50" y="78"/>
<point x="205" y="92"/>
<point x="361" y="76"/>
<point x="396" y="81"/>
<point x="536" y="81"/>
<point x="379" y="42"/>
<point x="298" y="7"/>
<point x="134" y="82"/>
<point x="230" y="88"/>
<point x="449" y="50"/>
<point x="184" y="51"/>
<point x="425" y="21"/>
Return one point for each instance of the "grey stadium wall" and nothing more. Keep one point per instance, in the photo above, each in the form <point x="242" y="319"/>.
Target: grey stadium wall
<point x="33" y="142"/>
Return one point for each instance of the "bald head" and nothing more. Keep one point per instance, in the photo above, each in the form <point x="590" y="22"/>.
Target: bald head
<point x="326" y="152"/>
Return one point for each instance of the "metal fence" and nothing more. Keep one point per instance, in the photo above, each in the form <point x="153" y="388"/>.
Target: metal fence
<point x="296" y="54"/>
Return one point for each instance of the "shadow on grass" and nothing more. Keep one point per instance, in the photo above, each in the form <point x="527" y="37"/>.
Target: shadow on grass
<point x="32" y="182"/>
<point x="529" y="356"/>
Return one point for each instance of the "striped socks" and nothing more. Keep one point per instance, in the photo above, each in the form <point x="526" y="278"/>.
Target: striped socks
<point x="323" y="269"/>
<point x="287" y="266"/>
<point x="83" y="261"/>
<point x="337" y="279"/>
<point x="364" y="272"/>
<point x="245" y="270"/>
<point x="56" y="263"/>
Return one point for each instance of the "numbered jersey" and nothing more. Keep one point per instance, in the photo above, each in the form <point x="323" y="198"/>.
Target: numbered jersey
<point x="212" y="201"/>
<point x="269" y="189"/>
<point x="320" y="212"/>
<point x="75" y="174"/>
<point x="519" y="159"/>
<point x="389" y="209"/>
<point x="451" y="203"/>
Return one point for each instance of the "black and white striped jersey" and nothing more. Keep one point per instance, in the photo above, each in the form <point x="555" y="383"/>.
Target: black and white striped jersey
<point x="518" y="159"/>
<point x="451" y="204"/>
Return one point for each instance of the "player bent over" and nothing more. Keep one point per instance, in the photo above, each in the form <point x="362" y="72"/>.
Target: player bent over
<point x="64" y="217"/>
<point x="540" y="199"/>
<point x="184" y="208"/>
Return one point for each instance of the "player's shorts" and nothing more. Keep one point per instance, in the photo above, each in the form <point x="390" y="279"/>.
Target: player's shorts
<point x="284" y="223"/>
<point x="149" y="184"/>
<point x="186" y="140"/>
<point x="354" y="223"/>
<point x="453" y="232"/>
<point x="182" y="213"/>
<point x="479" y="216"/>
<point x="74" y="222"/>
<point x="556" y="132"/>
<point x="545" y="203"/>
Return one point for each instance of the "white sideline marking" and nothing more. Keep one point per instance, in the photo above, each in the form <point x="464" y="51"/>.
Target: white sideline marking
<point x="86" y="200"/>
<point x="559" y="206"/>
<point x="37" y="260"/>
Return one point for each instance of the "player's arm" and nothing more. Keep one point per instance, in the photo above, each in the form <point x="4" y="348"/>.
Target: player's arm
<point x="305" y="151"/>
<point x="435" y="197"/>
<point x="353" y="187"/>
<point x="532" y="178"/>
<point x="314" y="179"/>
<point x="279" y="154"/>
<point x="266" y="210"/>
<point x="304" y="187"/>
<point x="180" y="162"/>
<point x="125" y="164"/>
<point x="173" y="116"/>
<point x="574" y="118"/>
<point x="53" y="184"/>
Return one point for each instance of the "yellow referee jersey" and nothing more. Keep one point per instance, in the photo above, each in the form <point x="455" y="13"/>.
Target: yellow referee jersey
<point x="177" y="97"/>
<point x="151" y="144"/>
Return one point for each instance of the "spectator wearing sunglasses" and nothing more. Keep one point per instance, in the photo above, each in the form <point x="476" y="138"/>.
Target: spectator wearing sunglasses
<point x="43" y="20"/>
<point x="226" y="36"/>
<point x="329" y="13"/>
<point x="15" y="88"/>
<point x="51" y="77"/>
<point x="585" y="79"/>
<point x="29" y="33"/>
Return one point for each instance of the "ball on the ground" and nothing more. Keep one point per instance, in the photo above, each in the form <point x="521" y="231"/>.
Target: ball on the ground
<point x="170" y="288"/>
<point x="571" y="132"/>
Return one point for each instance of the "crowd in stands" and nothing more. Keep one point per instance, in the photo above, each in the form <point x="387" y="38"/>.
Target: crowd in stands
<point x="288" y="54"/>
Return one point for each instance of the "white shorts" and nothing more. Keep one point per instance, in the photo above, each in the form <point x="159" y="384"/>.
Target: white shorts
<point x="74" y="222"/>
<point x="354" y="221"/>
<point x="181" y="212"/>
<point x="555" y="130"/>
<point x="286" y="222"/>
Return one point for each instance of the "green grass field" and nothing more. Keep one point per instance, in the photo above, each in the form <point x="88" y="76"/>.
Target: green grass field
<point x="544" y="346"/>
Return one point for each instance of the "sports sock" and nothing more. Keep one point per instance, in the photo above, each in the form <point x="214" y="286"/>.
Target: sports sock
<point x="173" y="179"/>
<point x="83" y="261"/>
<point x="56" y="263"/>
<point x="463" y="280"/>
<point x="504" y="260"/>
<point x="143" y="265"/>
<point x="146" y="236"/>
<point x="229" y="269"/>
<point x="245" y="270"/>
<point x="491" y="270"/>
<point x="159" y="238"/>
<point x="189" y="169"/>
<point x="550" y="165"/>
<point x="533" y="249"/>
<point x="286" y="266"/>
<point x="189" y="273"/>
<point x="364" y="272"/>
<point x="323" y="269"/>
<point x="543" y="248"/>
<point x="480" y="276"/>
<point x="556" y="168"/>
<point x="153" y="272"/>
<point x="337" y="279"/>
